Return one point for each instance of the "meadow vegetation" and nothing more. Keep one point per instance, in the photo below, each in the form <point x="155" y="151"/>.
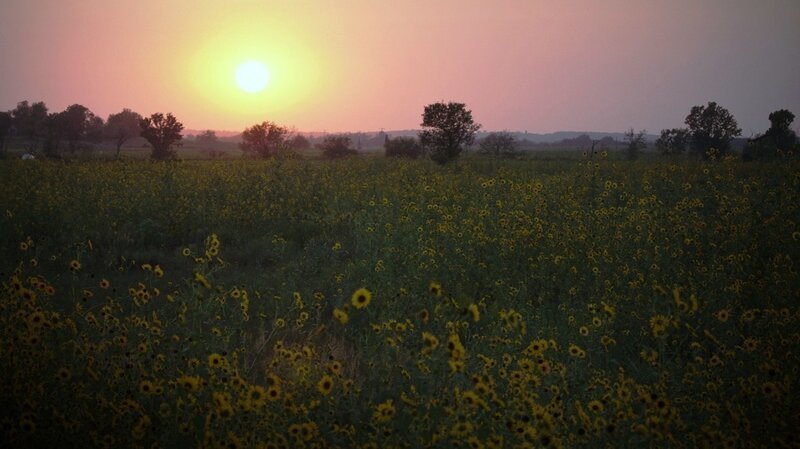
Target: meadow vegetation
<point x="381" y="302"/>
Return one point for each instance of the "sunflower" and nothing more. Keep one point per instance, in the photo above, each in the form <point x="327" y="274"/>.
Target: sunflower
<point x="474" y="312"/>
<point x="361" y="298"/>
<point x="384" y="412"/>
<point x="341" y="316"/>
<point x="104" y="283"/>
<point x="435" y="288"/>
<point x="74" y="266"/>
<point x="325" y="385"/>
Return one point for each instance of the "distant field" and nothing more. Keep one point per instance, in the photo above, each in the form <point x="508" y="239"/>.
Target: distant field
<point x="553" y="301"/>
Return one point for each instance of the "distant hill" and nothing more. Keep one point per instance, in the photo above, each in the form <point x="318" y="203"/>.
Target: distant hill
<point x="526" y="141"/>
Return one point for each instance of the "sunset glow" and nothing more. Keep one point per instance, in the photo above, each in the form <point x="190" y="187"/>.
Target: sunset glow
<point x="347" y="66"/>
<point x="252" y="76"/>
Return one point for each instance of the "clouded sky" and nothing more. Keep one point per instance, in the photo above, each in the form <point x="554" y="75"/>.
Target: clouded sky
<point x="350" y="65"/>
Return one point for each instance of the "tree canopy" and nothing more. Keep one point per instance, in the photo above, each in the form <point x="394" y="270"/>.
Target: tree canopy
<point x="402" y="147"/>
<point x="446" y="128"/>
<point x="265" y="139"/>
<point x="673" y="141"/>
<point x="711" y="127"/>
<point x="336" y="146"/>
<point x="498" y="144"/>
<point x="121" y="127"/>
<point x="162" y="132"/>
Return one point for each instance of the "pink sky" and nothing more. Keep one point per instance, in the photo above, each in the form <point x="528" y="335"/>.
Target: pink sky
<point x="348" y="65"/>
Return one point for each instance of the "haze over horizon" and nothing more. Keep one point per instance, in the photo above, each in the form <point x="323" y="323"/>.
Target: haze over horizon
<point x="351" y="65"/>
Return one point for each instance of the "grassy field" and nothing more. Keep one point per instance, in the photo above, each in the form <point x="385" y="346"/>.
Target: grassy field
<point x="382" y="303"/>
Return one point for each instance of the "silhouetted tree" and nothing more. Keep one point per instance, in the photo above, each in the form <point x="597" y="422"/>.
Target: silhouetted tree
<point x="162" y="132"/>
<point x="634" y="143"/>
<point x="779" y="140"/>
<point x="498" y="144"/>
<point x="673" y="141"/>
<point x="299" y="142"/>
<point x="79" y="124"/>
<point x="264" y="140"/>
<point x="29" y="121"/>
<point x="55" y="126"/>
<point x="446" y="128"/>
<point x="403" y="147"/>
<point x="5" y="130"/>
<point x="121" y="127"/>
<point x="336" y="146"/>
<point x="711" y="126"/>
<point x="207" y="139"/>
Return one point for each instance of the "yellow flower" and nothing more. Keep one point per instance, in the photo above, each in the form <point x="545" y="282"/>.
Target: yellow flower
<point x="74" y="265"/>
<point x="341" y="316"/>
<point x="659" y="324"/>
<point x="431" y="342"/>
<point x="435" y="288"/>
<point x="576" y="351"/>
<point x="215" y="360"/>
<point x="596" y="406"/>
<point x="190" y="383"/>
<point x="158" y="271"/>
<point x="384" y="412"/>
<point x="361" y="298"/>
<point x="474" y="312"/>
<point x="325" y="385"/>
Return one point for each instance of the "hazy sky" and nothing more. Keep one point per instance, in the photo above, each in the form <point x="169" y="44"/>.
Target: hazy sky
<point x="350" y="65"/>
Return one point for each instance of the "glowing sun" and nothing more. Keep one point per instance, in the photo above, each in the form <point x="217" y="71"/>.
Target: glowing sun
<point x="252" y="76"/>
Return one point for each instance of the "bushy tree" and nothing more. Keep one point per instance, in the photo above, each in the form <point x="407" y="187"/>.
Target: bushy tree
<point x="673" y="141"/>
<point x="498" y="144"/>
<point x="265" y="139"/>
<point x="446" y="128"/>
<point x="634" y="144"/>
<point x="299" y="142"/>
<point x="403" y="147"/>
<point x="79" y="124"/>
<point x="207" y="139"/>
<point x="30" y="122"/>
<point x="55" y="130"/>
<point x="162" y="132"/>
<point x="5" y="129"/>
<point x="711" y="126"/>
<point x="336" y="146"/>
<point x="779" y="139"/>
<point x="121" y="127"/>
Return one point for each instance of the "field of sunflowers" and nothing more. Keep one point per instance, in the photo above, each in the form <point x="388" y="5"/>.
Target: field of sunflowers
<point x="376" y="303"/>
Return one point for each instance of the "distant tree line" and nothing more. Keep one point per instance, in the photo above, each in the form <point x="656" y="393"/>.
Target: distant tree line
<point x="711" y="129"/>
<point x="57" y="134"/>
<point x="447" y="130"/>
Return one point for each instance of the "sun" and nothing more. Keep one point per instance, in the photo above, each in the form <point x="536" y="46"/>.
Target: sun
<point x="252" y="76"/>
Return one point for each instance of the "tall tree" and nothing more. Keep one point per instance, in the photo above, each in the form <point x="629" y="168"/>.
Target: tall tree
<point x="207" y="139"/>
<point x="711" y="127"/>
<point x="121" y="127"/>
<point x="265" y="139"/>
<point x="634" y="144"/>
<point x="673" y="141"/>
<point x="5" y="129"/>
<point x="299" y="142"/>
<point x="55" y="126"/>
<point x="499" y="144"/>
<point x="446" y="128"/>
<point x="779" y="139"/>
<point x="30" y="122"/>
<point x="402" y="147"/>
<point x="79" y="124"/>
<point x="336" y="146"/>
<point x="162" y="132"/>
<point x="780" y="131"/>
